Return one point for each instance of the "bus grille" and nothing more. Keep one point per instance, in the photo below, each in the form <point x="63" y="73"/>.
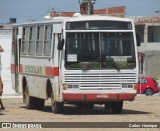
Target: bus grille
<point x="97" y="80"/>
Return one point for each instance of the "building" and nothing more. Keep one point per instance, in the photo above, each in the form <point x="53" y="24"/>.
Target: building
<point x="148" y="29"/>
<point x="119" y="11"/>
<point x="5" y="42"/>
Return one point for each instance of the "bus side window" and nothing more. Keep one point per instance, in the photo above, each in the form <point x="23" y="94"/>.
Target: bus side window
<point x="14" y="39"/>
<point x="47" y="40"/>
<point x="25" y="40"/>
<point x="40" y="38"/>
<point x="32" y="39"/>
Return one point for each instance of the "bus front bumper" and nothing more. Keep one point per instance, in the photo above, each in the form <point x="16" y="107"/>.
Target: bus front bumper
<point x="98" y="97"/>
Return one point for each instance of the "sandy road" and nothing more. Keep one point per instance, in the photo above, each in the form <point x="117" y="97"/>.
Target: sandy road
<point x="143" y="109"/>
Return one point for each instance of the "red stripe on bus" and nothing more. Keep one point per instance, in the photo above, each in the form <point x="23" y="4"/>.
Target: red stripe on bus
<point x="83" y="97"/>
<point x="56" y="71"/>
<point x="12" y="68"/>
<point x="20" y="68"/>
<point x="49" y="71"/>
<point x="52" y="71"/>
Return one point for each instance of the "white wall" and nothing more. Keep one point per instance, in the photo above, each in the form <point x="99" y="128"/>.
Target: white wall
<point x="5" y="42"/>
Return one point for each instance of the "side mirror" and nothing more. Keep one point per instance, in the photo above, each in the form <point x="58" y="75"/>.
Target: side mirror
<point x="138" y="40"/>
<point x="60" y="44"/>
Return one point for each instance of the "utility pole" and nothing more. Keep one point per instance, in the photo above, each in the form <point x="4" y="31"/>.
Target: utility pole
<point x="87" y="7"/>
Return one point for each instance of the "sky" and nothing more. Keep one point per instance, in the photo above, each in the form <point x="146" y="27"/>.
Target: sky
<point x="35" y="10"/>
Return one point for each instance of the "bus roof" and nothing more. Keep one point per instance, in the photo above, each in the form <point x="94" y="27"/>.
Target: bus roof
<point x="75" y="18"/>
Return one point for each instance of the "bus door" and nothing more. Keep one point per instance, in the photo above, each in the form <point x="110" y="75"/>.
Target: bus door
<point x="17" y="59"/>
<point x="57" y="33"/>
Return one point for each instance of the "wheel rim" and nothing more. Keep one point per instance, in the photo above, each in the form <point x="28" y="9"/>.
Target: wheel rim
<point x="149" y="92"/>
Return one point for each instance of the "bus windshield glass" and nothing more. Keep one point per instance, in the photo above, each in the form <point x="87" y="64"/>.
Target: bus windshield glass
<point x="100" y="51"/>
<point x="99" y="25"/>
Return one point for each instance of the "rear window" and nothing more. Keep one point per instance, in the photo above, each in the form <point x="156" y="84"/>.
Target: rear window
<point x="155" y="81"/>
<point x="142" y="80"/>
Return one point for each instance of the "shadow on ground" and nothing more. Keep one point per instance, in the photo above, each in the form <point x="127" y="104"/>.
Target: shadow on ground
<point x="97" y="110"/>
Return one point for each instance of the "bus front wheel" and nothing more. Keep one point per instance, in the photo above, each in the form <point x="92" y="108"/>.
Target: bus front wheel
<point x="30" y="101"/>
<point x="117" y="107"/>
<point x="57" y="107"/>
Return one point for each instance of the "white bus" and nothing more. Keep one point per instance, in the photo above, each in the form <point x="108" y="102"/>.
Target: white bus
<point x="81" y="60"/>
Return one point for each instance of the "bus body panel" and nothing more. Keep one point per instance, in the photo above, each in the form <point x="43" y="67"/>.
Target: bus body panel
<point x="37" y="72"/>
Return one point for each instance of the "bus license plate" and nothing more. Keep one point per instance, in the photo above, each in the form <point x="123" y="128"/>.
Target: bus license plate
<point x="102" y="96"/>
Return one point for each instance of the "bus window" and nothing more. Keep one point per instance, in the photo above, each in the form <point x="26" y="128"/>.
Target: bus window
<point x="40" y="38"/>
<point x="25" y="40"/>
<point x="32" y="40"/>
<point x="14" y="38"/>
<point x="47" y="40"/>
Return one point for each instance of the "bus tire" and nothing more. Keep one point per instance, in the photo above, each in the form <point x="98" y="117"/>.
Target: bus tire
<point x="30" y="101"/>
<point x="57" y="107"/>
<point x="80" y="106"/>
<point x="117" y="107"/>
<point x="40" y="103"/>
<point x="89" y="105"/>
<point x="148" y="92"/>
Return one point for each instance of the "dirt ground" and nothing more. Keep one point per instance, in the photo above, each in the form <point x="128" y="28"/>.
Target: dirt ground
<point x="142" y="109"/>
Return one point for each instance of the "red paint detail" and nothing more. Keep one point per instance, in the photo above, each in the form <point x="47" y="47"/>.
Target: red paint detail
<point x="20" y="68"/>
<point x="56" y="71"/>
<point x="49" y="71"/>
<point x="12" y="68"/>
<point x="81" y="97"/>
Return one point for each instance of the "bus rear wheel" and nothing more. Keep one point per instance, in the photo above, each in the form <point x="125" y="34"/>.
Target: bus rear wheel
<point x="57" y="107"/>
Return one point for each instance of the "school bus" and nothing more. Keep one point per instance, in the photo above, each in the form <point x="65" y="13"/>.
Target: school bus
<point x="82" y="60"/>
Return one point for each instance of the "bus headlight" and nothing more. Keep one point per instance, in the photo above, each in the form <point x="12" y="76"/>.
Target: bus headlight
<point x="73" y="86"/>
<point x="124" y="85"/>
<point x="130" y="86"/>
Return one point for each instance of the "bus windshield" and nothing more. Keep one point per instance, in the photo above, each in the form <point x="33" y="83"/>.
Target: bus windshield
<point x="100" y="50"/>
